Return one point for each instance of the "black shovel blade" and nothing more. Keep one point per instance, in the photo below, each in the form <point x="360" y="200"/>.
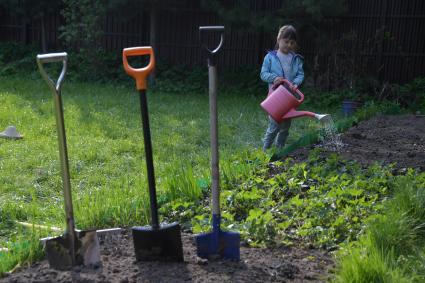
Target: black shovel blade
<point x="162" y="244"/>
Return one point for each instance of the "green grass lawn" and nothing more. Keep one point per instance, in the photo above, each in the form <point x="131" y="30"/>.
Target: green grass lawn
<point x="105" y="148"/>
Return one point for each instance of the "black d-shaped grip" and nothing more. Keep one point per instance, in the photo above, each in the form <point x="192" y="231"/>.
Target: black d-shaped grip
<point x="211" y="53"/>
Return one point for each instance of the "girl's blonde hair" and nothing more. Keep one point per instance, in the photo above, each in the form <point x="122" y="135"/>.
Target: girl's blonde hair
<point x="287" y="32"/>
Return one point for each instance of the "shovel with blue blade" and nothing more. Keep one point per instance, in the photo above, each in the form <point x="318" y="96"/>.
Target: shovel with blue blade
<point x="216" y="244"/>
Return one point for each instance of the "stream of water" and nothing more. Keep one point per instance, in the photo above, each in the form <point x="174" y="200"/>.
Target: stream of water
<point x="329" y="138"/>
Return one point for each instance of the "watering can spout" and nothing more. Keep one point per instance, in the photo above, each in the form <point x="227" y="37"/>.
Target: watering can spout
<point x="324" y="118"/>
<point x="295" y="114"/>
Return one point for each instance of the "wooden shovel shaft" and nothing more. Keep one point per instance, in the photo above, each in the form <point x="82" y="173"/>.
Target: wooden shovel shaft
<point x="212" y="75"/>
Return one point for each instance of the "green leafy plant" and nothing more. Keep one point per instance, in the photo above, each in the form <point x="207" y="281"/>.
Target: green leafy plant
<point x="351" y="95"/>
<point x="17" y="58"/>
<point x="320" y="203"/>
<point x="413" y="94"/>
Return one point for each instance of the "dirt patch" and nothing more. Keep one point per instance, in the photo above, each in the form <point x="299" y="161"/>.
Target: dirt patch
<point x="386" y="139"/>
<point x="119" y="265"/>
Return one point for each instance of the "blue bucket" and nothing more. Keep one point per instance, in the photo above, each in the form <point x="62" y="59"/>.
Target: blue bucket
<point x="349" y="107"/>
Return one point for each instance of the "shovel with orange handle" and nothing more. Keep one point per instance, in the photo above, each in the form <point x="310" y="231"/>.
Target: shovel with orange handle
<point x="154" y="242"/>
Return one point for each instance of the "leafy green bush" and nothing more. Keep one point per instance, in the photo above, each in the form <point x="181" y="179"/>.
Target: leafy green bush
<point x="108" y="67"/>
<point x="315" y="99"/>
<point x="181" y="78"/>
<point x="414" y="93"/>
<point x="244" y="81"/>
<point x="17" y="58"/>
<point x="194" y="79"/>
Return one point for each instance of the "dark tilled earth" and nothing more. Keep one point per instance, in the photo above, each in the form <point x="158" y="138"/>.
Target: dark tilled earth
<point x="386" y="139"/>
<point x="119" y="265"/>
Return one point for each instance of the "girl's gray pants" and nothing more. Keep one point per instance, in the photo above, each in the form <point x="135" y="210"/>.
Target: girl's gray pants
<point x="274" y="129"/>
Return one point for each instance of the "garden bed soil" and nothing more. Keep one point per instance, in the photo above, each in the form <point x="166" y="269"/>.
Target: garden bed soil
<point x="282" y="264"/>
<point x="384" y="139"/>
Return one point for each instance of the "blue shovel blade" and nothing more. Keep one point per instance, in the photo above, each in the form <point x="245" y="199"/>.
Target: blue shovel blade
<point x="219" y="243"/>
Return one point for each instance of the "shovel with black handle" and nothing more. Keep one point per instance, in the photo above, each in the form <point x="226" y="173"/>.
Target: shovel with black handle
<point x="217" y="243"/>
<point x="73" y="247"/>
<point x="156" y="242"/>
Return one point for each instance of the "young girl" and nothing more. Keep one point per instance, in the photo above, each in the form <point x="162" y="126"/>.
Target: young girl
<point x="281" y="63"/>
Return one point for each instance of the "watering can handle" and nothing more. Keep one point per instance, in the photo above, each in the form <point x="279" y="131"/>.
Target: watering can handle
<point x="297" y="90"/>
<point x="49" y="58"/>
<point x="212" y="53"/>
<point x="139" y="74"/>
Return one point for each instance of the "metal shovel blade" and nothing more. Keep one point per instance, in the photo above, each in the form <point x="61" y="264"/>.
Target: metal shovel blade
<point x="218" y="244"/>
<point x="161" y="244"/>
<point x="87" y="250"/>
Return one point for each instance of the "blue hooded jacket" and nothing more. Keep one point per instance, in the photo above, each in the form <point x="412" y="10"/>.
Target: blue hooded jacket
<point x="272" y="68"/>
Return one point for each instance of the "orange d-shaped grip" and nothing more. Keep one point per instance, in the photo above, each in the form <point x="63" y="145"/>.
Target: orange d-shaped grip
<point x="138" y="74"/>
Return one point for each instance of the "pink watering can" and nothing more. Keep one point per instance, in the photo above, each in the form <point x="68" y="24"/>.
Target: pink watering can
<point x="281" y="104"/>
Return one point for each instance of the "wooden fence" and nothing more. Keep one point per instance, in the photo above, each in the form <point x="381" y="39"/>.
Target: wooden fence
<point x="400" y="50"/>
